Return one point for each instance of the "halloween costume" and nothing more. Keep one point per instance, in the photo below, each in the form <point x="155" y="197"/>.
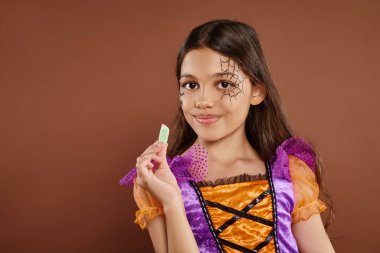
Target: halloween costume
<point x="244" y="213"/>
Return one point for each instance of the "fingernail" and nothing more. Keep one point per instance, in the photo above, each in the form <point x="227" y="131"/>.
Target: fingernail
<point x="160" y="144"/>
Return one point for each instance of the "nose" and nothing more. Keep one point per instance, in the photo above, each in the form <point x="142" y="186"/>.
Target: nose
<point x="205" y="99"/>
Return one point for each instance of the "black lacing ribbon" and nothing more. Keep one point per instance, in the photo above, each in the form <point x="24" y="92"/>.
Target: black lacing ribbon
<point x="238" y="214"/>
<point x="246" y="250"/>
<point x="236" y="217"/>
<point x="243" y="213"/>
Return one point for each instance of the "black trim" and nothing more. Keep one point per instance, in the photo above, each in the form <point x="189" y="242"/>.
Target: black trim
<point x="235" y="246"/>
<point x="207" y="215"/>
<point x="266" y="242"/>
<point x="243" y="213"/>
<point x="256" y="201"/>
<point x="245" y="209"/>
<point x="246" y="250"/>
<point x="239" y="213"/>
<point x="274" y="205"/>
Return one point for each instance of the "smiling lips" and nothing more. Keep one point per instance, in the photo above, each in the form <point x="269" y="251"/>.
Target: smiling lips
<point x="206" y="119"/>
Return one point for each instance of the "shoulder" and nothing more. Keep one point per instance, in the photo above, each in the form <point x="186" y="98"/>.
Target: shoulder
<point x="292" y="151"/>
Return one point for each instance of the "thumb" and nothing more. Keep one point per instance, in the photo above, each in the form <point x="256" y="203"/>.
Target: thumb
<point x="162" y="154"/>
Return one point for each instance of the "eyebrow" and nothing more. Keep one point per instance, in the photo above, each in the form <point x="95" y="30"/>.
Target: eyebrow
<point x="218" y="74"/>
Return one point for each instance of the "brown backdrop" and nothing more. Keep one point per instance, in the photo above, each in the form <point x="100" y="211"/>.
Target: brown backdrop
<point x="85" y="85"/>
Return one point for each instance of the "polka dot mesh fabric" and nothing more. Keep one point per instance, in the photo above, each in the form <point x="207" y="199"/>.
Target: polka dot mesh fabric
<point x="198" y="168"/>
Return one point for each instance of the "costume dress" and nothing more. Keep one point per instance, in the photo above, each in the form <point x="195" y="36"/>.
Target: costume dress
<point x="244" y="213"/>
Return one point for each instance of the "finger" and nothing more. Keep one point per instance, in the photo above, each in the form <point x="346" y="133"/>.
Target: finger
<point x="150" y="165"/>
<point x="143" y="175"/>
<point x="142" y="170"/>
<point x="140" y="182"/>
<point x="145" y="161"/>
<point x="151" y="156"/>
<point x="150" y="147"/>
<point x="155" y="148"/>
<point x="162" y="152"/>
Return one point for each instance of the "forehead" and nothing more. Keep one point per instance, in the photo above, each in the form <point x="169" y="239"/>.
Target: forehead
<point x="202" y="62"/>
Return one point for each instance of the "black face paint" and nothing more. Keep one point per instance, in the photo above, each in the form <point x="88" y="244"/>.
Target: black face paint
<point x="232" y="73"/>
<point x="181" y="94"/>
<point x="232" y="92"/>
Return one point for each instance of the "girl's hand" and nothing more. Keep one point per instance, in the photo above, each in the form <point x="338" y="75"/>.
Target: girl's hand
<point x="161" y="182"/>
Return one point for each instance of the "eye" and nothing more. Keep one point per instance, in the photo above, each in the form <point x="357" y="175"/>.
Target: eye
<point x="189" y="86"/>
<point x="225" y="85"/>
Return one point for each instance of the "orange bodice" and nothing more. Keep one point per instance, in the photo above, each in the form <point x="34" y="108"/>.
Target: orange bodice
<point x="241" y="213"/>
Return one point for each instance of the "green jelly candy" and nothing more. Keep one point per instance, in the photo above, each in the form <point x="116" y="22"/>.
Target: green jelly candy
<point x="164" y="134"/>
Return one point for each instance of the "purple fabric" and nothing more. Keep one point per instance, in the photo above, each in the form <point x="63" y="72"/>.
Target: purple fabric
<point x="199" y="167"/>
<point x="180" y="166"/>
<point x="197" y="220"/>
<point x="285" y="204"/>
<point x="283" y="187"/>
<point x="127" y="180"/>
<point x="296" y="146"/>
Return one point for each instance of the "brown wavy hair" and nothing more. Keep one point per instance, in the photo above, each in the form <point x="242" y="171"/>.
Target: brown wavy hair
<point x="266" y="125"/>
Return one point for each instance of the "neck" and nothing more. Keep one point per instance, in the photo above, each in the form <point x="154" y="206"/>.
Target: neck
<point x="230" y="148"/>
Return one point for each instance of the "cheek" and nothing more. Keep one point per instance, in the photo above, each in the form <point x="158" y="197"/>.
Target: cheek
<point x="187" y="99"/>
<point x="236" y="111"/>
<point x="234" y="104"/>
<point x="184" y="99"/>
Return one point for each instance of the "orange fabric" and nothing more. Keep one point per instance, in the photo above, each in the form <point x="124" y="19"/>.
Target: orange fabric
<point x="148" y="206"/>
<point x="244" y="232"/>
<point x="306" y="190"/>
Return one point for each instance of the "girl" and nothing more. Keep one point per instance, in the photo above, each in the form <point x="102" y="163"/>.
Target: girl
<point x="234" y="178"/>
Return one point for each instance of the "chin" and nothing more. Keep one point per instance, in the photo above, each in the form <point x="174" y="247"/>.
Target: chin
<point x="208" y="135"/>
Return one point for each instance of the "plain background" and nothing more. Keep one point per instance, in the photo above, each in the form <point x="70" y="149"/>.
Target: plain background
<point x="85" y="85"/>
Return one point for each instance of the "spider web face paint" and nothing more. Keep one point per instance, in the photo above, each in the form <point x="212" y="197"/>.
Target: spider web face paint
<point x="181" y="94"/>
<point x="228" y="65"/>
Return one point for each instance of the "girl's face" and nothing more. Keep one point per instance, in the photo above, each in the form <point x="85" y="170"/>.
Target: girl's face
<point x="215" y="94"/>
